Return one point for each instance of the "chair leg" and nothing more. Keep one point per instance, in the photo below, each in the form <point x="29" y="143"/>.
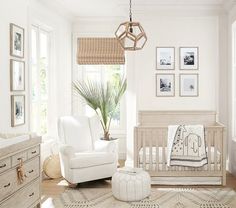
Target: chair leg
<point x="71" y="185"/>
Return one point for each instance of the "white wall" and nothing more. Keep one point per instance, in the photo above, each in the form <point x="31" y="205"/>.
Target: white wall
<point x="177" y="32"/>
<point x="16" y="12"/>
<point x="164" y="30"/>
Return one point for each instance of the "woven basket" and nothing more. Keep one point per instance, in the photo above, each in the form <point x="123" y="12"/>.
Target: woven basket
<point x="51" y="167"/>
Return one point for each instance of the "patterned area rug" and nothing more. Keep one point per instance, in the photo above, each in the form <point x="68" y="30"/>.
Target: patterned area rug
<point x="101" y="197"/>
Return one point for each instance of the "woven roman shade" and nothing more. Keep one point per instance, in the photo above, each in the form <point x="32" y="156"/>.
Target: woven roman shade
<point x="100" y="51"/>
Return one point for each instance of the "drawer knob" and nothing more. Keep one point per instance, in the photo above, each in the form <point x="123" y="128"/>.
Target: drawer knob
<point x="33" y="152"/>
<point x="7" y="185"/>
<point x="19" y="158"/>
<point x="31" y="194"/>
<point x="31" y="171"/>
<point x="3" y="166"/>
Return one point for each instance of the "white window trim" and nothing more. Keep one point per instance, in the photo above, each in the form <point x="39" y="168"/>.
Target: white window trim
<point x="234" y="81"/>
<point x="48" y="30"/>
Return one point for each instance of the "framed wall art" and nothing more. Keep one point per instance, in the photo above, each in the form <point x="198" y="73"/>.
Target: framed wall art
<point x="17" y="110"/>
<point x="165" y="58"/>
<point x="17" y="39"/>
<point x="17" y="72"/>
<point x="165" y="85"/>
<point x="189" y="58"/>
<point x="189" y="85"/>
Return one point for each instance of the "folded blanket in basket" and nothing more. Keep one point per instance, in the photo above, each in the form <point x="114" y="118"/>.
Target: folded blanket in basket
<point x="186" y="146"/>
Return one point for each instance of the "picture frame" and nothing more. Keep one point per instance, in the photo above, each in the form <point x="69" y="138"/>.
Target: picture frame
<point x="17" y="110"/>
<point x="17" y="41"/>
<point x="17" y="75"/>
<point x="165" y="85"/>
<point x="165" y="58"/>
<point x="189" y="85"/>
<point x="189" y="58"/>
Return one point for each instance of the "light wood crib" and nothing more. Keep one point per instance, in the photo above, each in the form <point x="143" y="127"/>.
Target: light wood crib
<point x="150" y="148"/>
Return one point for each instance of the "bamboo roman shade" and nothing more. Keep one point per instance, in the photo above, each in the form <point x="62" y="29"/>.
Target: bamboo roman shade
<point x="101" y="51"/>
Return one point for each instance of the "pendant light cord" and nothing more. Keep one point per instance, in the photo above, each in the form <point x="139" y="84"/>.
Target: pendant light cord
<point x="130" y="12"/>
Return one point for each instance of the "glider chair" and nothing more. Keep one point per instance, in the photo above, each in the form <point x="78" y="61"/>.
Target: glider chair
<point x="83" y="156"/>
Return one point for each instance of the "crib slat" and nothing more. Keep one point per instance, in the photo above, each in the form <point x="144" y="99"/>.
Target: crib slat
<point x="209" y="148"/>
<point x="215" y="149"/>
<point x="150" y="150"/>
<point x="163" y="151"/>
<point x="144" y="149"/>
<point x="157" y="150"/>
<point x="139" y="146"/>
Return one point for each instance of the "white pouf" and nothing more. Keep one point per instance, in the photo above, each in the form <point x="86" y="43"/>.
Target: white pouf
<point x="131" y="184"/>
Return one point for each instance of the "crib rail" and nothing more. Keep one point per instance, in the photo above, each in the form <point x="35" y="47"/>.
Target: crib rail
<point x="150" y="148"/>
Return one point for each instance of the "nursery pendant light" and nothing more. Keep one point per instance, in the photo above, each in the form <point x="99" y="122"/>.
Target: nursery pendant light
<point x="131" y="34"/>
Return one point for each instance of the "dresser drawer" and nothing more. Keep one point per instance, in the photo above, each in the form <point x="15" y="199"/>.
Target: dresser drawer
<point x="5" y="164"/>
<point x="24" y="197"/>
<point x="31" y="170"/>
<point x="33" y="152"/>
<point x="8" y="183"/>
<point x="15" y="160"/>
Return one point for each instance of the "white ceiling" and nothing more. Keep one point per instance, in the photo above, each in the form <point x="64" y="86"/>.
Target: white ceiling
<point x="113" y="8"/>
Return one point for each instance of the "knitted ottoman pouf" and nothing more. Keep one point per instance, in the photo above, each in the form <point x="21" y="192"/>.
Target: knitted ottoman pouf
<point x="131" y="184"/>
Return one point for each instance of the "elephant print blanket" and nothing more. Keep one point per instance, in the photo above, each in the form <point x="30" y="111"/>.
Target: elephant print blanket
<point x="186" y="146"/>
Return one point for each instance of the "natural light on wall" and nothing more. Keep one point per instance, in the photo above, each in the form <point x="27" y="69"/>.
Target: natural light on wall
<point x="234" y="80"/>
<point x="103" y="73"/>
<point x="39" y="80"/>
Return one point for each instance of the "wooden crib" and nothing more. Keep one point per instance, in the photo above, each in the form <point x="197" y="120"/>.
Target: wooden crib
<point x="150" y="148"/>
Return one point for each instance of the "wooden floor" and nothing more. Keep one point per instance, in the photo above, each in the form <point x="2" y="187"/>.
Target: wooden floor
<point x="53" y="188"/>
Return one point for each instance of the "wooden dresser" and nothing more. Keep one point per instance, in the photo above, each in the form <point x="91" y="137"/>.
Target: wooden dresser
<point x="13" y="193"/>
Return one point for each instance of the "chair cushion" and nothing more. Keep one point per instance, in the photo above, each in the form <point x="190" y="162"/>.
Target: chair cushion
<point x="90" y="159"/>
<point x="75" y="131"/>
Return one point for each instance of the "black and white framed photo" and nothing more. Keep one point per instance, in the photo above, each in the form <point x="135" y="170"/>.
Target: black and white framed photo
<point x="17" y="72"/>
<point x="165" y="58"/>
<point x="17" y="110"/>
<point x="17" y="39"/>
<point x="189" y="85"/>
<point x="189" y="58"/>
<point x="165" y="85"/>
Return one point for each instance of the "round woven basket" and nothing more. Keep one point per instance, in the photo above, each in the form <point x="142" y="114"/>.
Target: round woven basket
<point x="51" y="167"/>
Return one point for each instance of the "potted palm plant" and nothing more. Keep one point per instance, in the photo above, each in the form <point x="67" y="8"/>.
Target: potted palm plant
<point x="103" y="98"/>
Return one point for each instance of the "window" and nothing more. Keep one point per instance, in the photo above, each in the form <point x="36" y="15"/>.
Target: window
<point x="40" y="43"/>
<point x="103" y="73"/>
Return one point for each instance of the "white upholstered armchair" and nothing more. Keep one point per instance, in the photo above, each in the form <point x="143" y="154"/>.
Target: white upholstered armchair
<point x="83" y="156"/>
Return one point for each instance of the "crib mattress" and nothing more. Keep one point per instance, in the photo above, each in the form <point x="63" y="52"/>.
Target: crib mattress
<point x="161" y="159"/>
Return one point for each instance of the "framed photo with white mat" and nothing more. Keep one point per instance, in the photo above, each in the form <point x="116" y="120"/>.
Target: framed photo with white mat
<point x="165" y="85"/>
<point x="17" y="41"/>
<point x="17" y="110"/>
<point x="17" y="72"/>
<point x="189" y="85"/>
<point x="165" y="58"/>
<point x="189" y="58"/>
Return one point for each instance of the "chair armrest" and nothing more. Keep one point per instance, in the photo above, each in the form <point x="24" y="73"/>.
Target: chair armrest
<point x="105" y="146"/>
<point x="67" y="151"/>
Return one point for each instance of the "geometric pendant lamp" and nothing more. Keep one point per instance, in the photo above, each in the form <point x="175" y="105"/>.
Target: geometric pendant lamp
<point x="131" y="35"/>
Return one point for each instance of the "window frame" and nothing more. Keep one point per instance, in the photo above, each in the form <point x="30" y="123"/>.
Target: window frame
<point x="113" y="129"/>
<point x="45" y="30"/>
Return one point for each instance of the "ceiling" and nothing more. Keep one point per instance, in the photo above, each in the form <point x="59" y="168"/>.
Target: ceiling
<point x="112" y="8"/>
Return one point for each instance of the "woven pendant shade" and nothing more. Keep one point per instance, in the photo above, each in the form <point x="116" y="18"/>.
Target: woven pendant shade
<point x="131" y="36"/>
<point x="100" y="51"/>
